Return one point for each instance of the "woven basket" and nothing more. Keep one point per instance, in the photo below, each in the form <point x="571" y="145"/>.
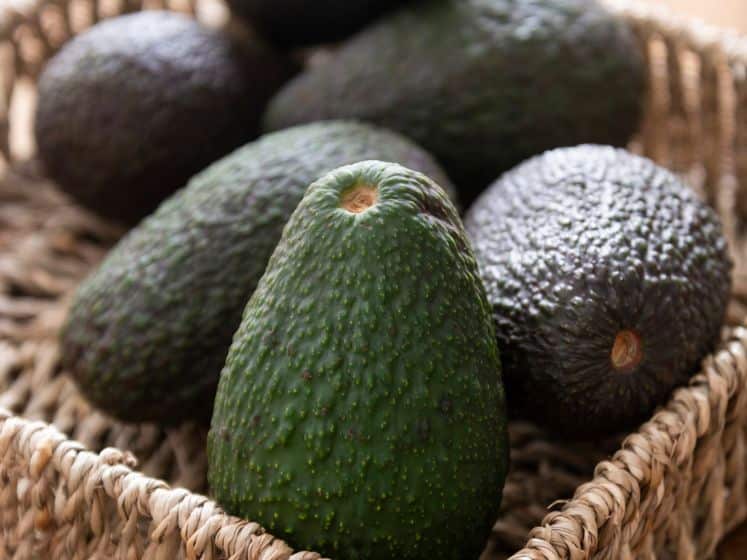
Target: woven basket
<point x="75" y="484"/>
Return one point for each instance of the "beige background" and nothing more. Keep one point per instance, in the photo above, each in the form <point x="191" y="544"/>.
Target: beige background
<point x="726" y="13"/>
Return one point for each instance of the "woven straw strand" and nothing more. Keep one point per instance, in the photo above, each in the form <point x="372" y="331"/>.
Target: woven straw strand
<point x="641" y="487"/>
<point x="62" y="485"/>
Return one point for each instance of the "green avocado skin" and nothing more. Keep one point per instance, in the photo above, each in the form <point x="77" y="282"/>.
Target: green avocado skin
<point x="130" y="109"/>
<point x="481" y="84"/>
<point x="293" y="23"/>
<point x="360" y="413"/>
<point x="577" y="245"/>
<point x="148" y="331"/>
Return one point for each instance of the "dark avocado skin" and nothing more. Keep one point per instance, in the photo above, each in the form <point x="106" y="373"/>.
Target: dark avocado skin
<point x="129" y="110"/>
<point x="481" y="84"/>
<point x="294" y="23"/>
<point x="577" y="245"/>
<point x="360" y="413"/>
<point x="148" y="331"/>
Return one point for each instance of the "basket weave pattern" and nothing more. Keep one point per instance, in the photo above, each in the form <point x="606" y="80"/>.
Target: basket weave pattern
<point x="75" y="484"/>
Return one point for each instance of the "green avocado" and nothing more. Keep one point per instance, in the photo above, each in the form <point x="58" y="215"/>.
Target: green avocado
<point x="360" y="412"/>
<point x="148" y="332"/>
<point x="609" y="280"/>
<point x="129" y="110"/>
<point x="481" y="84"/>
<point x="293" y="23"/>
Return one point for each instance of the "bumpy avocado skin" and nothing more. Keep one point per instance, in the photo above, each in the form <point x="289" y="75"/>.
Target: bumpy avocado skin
<point x="481" y="84"/>
<point x="360" y="413"/>
<point x="148" y="331"/>
<point x="293" y="23"/>
<point x="579" y="244"/>
<point x="129" y="110"/>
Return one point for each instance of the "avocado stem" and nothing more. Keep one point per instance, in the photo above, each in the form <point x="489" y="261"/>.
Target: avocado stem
<point x="627" y="351"/>
<point x="359" y="198"/>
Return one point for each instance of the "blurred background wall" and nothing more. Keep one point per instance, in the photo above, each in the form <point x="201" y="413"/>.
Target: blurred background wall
<point x="728" y="13"/>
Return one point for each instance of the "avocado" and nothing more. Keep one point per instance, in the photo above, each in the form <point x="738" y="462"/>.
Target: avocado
<point x="294" y="23"/>
<point x="480" y="84"/>
<point x="360" y="412"/>
<point x="148" y="332"/>
<point x="129" y="110"/>
<point x="609" y="280"/>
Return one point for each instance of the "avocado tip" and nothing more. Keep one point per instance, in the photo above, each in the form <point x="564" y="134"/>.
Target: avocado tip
<point x="359" y="198"/>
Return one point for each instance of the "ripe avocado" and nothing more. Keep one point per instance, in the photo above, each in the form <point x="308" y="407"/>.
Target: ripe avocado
<point x="292" y="23"/>
<point x="609" y="281"/>
<point x="133" y="107"/>
<point x="481" y="84"/>
<point x="360" y="413"/>
<point x="148" y="332"/>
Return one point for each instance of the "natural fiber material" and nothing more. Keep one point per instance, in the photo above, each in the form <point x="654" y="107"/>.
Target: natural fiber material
<point x="75" y="484"/>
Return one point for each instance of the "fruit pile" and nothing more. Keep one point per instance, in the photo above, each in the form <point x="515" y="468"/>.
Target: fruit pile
<point x="298" y="275"/>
